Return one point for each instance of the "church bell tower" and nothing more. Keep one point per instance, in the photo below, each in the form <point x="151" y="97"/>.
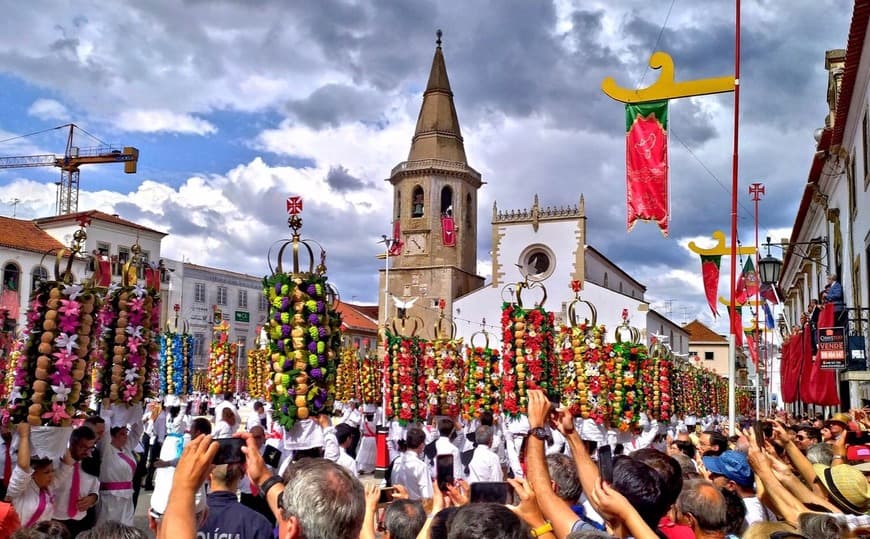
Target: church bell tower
<point x="435" y="208"/>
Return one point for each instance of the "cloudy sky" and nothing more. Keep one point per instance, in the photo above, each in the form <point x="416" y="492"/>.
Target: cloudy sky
<point x="235" y="105"/>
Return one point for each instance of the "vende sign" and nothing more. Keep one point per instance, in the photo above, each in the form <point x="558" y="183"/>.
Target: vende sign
<point x="832" y="348"/>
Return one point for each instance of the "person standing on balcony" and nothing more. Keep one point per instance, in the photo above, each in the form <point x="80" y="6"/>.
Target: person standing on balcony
<point x="834" y="294"/>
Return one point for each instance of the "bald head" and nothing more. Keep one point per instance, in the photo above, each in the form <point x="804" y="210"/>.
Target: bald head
<point x="702" y="506"/>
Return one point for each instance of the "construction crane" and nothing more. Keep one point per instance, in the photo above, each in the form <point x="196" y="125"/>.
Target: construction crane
<point x="69" y="163"/>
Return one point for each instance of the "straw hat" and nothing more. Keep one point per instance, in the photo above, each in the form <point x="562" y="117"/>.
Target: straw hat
<point x="848" y="486"/>
<point x="840" y="418"/>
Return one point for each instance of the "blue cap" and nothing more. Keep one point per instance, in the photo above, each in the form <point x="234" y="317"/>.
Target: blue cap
<point x="733" y="465"/>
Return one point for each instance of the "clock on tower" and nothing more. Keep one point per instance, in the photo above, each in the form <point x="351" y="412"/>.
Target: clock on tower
<point x="415" y="244"/>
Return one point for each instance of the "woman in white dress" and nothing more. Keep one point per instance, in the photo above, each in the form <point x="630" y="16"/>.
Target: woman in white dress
<point x="118" y="466"/>
<point x="365" y="456"/>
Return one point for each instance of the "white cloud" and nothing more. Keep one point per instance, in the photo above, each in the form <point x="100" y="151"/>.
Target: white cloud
<point x="163" y="120"/>
<point x="48" y="109"/>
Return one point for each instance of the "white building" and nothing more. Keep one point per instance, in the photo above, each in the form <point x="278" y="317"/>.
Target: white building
<point x="24" y="248"/>
<point x="205" y="296"/>
<point x="27" y="256"/>
<point x="548" y="246"/>
<point x="831" y="233"/>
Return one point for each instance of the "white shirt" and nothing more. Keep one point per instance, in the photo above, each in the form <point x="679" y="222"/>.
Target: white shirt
<point x="347" y="461"/>
<point x="410" y="471"/>
<point x="331" y="449"/>
<point x="222" y="430"/>
<point x="756" y="511"/>
<point x="254" y="420"/>
<point x="88" y="484"/>
<point x="443" y="446"/>
<point x="25" y="496"/>
<point x="485" y="466"/>
<point x="351" y="417"/>
<point x="160" y="427"/>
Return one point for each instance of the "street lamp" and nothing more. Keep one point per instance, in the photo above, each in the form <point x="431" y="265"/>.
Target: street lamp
<point x="769" y="268"/>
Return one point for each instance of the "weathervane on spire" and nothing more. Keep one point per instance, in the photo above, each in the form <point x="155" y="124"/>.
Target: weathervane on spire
<point x="438" y="34"/>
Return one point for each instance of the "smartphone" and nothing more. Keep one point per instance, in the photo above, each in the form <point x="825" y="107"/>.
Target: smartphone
<point x="386" y="494"/>
<point x="444" y="471"/>
<point x="555" y="399"/>
<point x="758" y="429"/>
<point x="272" y="456"/>
<point x="496" y="492"/>
<point x="229" y="451"/>
<point x="605" y="463"/>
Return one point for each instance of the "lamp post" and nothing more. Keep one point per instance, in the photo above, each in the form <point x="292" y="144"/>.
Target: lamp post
<point x="756" y="191"/>
<point x="388" y="246"/>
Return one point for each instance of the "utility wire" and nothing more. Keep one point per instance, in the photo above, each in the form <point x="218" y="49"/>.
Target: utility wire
<point x="709" y="172"/>
<point x="92" y="136"/>
<point x="34" y="133"/>
<point x="658" y="39"/>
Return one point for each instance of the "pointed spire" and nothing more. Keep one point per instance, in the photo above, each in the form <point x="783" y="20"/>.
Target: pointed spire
<point x="437" y="135"/>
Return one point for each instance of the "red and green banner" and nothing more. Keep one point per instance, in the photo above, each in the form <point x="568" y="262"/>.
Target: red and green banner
<point x="646" y="163"/>
<point x="710" y="273"/>
<point x="747" y="285"/>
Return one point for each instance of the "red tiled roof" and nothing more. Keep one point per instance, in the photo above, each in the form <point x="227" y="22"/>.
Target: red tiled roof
<point x="698" y="332"/>
<point x="26" y="236"/>
<point x="96" y="215"/>
<point x="854" y="46"/>
<point x="353" y="318"/>
<point x="369" y="310"/>
<point x="832" y="138"/>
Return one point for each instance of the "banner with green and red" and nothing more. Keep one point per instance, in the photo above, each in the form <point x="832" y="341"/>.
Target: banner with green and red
<point x="646" y="163"/>
<point x="710" y="273"/>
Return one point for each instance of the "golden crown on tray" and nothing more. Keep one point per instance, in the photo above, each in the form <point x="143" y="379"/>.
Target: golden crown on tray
<point x="47" y="381"/>
<point x="303" y="329"/>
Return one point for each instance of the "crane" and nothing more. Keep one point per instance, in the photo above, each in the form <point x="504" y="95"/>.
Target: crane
<point x="69" y="163"/>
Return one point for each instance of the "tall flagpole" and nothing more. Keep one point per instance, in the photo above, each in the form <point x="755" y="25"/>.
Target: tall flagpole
<point x="756" y="190"/>
<point x="735" y="183"/>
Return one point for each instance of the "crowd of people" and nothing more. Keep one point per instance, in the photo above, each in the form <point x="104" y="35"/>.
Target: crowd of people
<point x="564" y="477"/>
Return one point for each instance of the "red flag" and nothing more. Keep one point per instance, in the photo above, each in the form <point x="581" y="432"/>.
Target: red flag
<point x="448" y="231"/>
<point x="752" y="344"/>
<point x="710" y="273"/>
<point x="824" y="381"/>
<point x="736" y="317"/>
<point x="397" y="244"/>
<point x="747" y="285"/>
<point x="646" y="163"/>
<point x="789" y="389"/>
<point x="768" y="292"/>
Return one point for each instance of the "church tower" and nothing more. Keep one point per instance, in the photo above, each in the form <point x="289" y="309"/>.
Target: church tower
<point x="432" y="189"/>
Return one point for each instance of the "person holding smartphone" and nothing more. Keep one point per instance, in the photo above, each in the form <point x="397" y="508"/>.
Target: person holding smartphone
<point x="226" y="516"/>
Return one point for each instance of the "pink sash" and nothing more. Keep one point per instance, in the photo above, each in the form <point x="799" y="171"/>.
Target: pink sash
<point x="40" y="509"/>
<point x="129" y="461"/>
<point x="116" y="485"/>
